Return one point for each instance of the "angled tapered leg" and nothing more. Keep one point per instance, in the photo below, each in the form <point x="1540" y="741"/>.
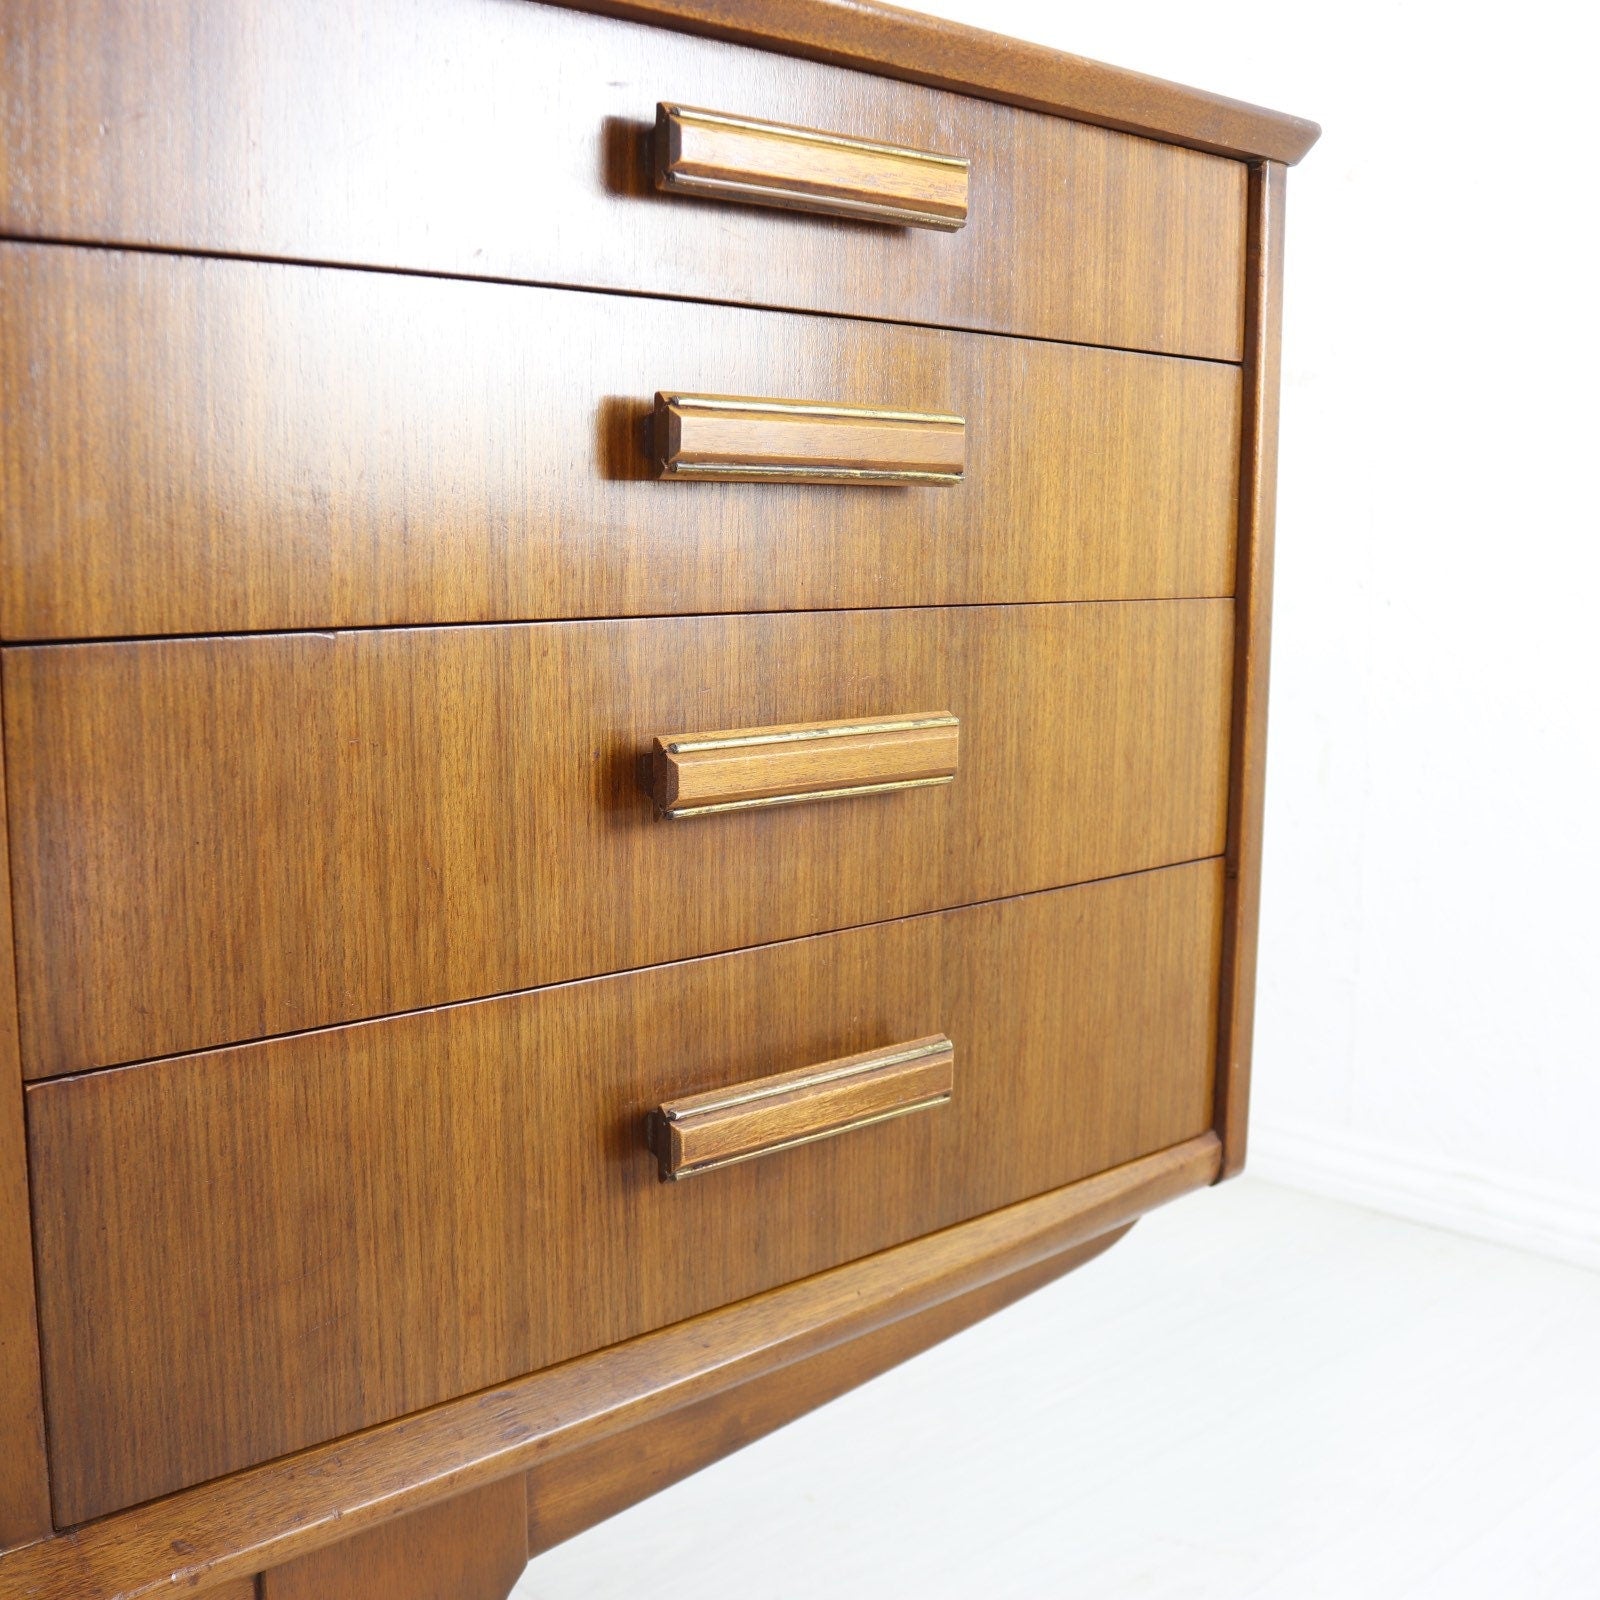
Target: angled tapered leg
<point x="470" y="1548"/>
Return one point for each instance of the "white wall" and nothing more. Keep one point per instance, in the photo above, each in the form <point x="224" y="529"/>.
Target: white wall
<point x="1428" y="1034"/>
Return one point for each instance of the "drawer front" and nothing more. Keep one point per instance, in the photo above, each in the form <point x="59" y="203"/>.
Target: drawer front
<point x="245" y="1252"/>
<point x="215" y="446"/>
<point x="517" y="141"/>
<point x="220" y="839"/>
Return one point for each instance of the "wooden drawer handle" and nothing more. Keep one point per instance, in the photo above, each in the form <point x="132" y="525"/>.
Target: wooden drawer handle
<point x="731" y="439"/>
<point x="714" y="156"/>
<point x="712" y="1130"/>
<point x="698" y="774"/>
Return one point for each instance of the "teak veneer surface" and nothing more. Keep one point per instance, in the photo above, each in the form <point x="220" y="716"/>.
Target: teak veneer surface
<point x="512" y="140"/>
<point x="250" y="1251"/>
<point x="215" y="446"/>
<point x="950" y="55"/>
<point x="737" y="438"/>
<point x="220" y="839"/>
<point x="253" y="1520"/>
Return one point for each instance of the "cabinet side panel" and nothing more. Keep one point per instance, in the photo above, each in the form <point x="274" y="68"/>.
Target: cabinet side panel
<point x="24" y="1482"/>
<point x="1252" y="638"/>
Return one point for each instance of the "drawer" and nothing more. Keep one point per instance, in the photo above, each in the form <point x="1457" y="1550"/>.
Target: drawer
<point x="514" y="141"/>
<point x="217" y="446"/>
<point x="244" y="1252"/>
<point x="220" y="839"/>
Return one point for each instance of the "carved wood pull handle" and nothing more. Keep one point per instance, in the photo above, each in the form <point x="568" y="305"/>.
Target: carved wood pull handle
<point x="714" y="156"/>
<point x="733" y="439"/>
<point x="712" y="1130"/>
<point x="696" y="775"/>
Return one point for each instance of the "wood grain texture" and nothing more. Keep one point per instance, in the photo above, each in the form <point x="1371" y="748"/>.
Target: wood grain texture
<point x="210" y="446"/>
<point x="471" y="1548"/>
<point x="738" y="769"/>
<point x="729" y="439"/>
<point x="513" y="141"/>
<point x="24" y="1482"/>
<point x="715" y="156"/>
<point x="248" y="1252"/>
<point x="764" y="1116"/>
<point x="418" y="817"/>
<point x="1252" y="648"/>
<point x="254" y="1249"/>
<point x="904" y="44"/>
<point x="583" y="1487"/>
<point x="269" y="1515"/>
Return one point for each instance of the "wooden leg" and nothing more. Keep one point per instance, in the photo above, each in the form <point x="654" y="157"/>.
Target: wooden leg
<point x="576" y="1490"/>
<point x="471" y="1548"/>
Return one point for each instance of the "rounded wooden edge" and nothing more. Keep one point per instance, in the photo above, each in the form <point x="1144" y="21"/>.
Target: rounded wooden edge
<point x="895" y="43"/>
<point x="218" y="1533"/>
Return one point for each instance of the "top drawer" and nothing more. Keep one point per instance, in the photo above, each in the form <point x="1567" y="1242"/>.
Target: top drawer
<point x="516" y="142"/>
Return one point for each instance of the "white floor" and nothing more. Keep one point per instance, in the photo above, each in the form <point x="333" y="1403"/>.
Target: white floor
<point x="1257" y="1393"/>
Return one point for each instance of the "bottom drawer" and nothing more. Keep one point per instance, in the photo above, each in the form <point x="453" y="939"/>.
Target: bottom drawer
<point x="248" y="1251"/>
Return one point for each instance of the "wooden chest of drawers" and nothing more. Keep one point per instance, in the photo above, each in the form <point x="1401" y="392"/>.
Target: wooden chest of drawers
<point x="556" y="640"/>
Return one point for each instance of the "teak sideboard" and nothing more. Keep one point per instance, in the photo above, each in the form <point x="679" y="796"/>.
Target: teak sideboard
<point x="634" y="683"/>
